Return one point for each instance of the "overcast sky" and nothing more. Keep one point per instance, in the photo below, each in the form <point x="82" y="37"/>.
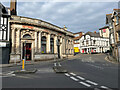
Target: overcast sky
<point x="77" y="16"/>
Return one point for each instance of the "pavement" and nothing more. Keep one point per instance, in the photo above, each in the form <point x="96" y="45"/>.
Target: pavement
<point x="111" y="59"/>
<point x="32" y="62"/>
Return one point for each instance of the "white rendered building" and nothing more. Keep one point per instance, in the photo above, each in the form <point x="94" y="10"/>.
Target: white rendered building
<point x="93" y="43"/>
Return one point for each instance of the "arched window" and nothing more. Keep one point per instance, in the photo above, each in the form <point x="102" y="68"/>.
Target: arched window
<point x="51" y="45"/>
<point x="27" y="36"/>
<point x="43" y="44"/>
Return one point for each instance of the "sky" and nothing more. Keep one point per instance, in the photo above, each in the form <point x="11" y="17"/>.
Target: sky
<point x="76" y="16"/>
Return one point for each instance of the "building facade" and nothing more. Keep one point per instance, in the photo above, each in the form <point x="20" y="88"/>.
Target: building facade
<point x="91" y="42"/>
<point x="77" y="37"/>
<point x="113" y="20"/>
<point x="104" y="32"/>
<point x="4" y="35"/>
<point x="39" y="39"/>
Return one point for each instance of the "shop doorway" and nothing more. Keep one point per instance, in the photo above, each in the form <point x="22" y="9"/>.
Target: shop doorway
<point x="27" y="49"/>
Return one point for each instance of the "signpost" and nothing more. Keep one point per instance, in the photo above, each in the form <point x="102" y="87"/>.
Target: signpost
<point x="57" y="67"/>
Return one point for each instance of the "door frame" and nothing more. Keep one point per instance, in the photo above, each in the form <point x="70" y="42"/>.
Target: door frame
<point x="29" y="44"/>
<point x="32" y="48"/>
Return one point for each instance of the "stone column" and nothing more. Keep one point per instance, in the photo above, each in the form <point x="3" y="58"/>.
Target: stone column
<point x="72" y="47"/>
<point x="35" y="41"/>
<point x="55" y="44"/>
<point x="18" y="42"/>
<point x="13" y="40"/>
<point x="39" y="42"/>
<point x="61" y="49"/>
<point x="48" y="43"/>
<point x="63" y="46"/>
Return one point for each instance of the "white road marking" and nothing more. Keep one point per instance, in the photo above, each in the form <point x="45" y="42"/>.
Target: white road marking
<point x="73" y="74"/>
<point x="80" y="77"/>
<point x="104" y="87"/>
<point x="67" y="74"/>
<point x="54" y="64"/>
<point x="91" y="82"/>
<point x="59" y="64"/>
<point x="85" y="84"/>
<point x="10" y="72"/>
<point x="74" y="78"/>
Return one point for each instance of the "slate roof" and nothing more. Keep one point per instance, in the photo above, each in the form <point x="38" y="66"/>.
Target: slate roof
<point x="104" y="27"/>
<point x="92" y="34"/>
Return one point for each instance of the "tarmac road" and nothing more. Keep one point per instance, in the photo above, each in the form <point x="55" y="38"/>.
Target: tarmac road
<point x="86" y="71"/>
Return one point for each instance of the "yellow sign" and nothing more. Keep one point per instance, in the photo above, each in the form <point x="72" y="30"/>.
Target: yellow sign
<point x="76" y="49"/>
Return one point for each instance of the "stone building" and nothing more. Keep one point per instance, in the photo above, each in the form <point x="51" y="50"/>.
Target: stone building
<point x="33" y="39"/>
<point x="43" y="40"/>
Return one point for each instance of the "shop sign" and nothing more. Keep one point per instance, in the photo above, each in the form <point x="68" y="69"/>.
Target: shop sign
<point x="30" y="27"/>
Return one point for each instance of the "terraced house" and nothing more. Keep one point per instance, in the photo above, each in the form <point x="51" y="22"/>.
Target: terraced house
<point x="92" y="42"/>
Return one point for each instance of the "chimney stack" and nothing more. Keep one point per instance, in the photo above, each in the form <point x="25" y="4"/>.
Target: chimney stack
<point x="13" y="10"/>
<point x="94" y="31"/>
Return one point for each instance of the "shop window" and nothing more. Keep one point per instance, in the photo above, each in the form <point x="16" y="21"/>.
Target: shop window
<point x="51" y="45"/>
<point x="43" y="44"/>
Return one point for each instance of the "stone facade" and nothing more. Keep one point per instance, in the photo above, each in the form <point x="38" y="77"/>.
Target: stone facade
<point x="41" y="39"/>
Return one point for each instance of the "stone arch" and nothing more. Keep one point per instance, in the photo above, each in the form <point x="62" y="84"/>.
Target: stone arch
<point x="27" y="36"/>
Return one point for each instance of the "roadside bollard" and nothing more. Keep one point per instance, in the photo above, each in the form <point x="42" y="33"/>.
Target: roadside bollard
<point x="23" y="64"/>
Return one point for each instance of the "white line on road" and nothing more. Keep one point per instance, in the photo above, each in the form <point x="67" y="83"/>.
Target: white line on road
<point x="104" y="87"/>
<point x="67" y="74"/>
<point x="10" y="72"/>
<point x="73" y="74"/>
<point x="54" y="64"/>
<point x="85" y="84"/>
<point x="80" y="77"/>
<point x="59" y="64"/>
<point x="91" y="82"/>
<point x="74" y="78"/>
